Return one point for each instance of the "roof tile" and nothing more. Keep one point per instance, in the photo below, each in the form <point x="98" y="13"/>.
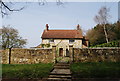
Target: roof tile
<point x="62" y="34"/>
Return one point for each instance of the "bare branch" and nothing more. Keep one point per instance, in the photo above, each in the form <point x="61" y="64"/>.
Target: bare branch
<point x="102" y="18"/>
<point x="5" y="9"/>
<point x="42" y="2"/>
<point x="11" y="9"/>
<point x="59" y="2"/>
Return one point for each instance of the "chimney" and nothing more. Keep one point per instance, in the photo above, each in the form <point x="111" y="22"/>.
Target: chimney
<point x="47" y="27"/>
<point x="78" y="27"/>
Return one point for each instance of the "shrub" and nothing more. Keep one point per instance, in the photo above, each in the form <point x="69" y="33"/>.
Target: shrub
<point x="110" y="44"/>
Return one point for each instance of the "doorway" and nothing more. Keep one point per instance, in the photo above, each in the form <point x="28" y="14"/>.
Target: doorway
<point x="61" y="52"/>
<point x="67" y="53"/>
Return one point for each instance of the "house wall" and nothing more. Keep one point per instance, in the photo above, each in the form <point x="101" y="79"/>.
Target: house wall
<point x="63" y="43"/>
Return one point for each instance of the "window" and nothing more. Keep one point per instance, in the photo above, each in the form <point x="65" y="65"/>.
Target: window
<point x="71" y="41"/>
<point x="51" y="40"/>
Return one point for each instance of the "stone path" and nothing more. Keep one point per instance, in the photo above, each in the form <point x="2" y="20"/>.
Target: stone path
<point x="61" y="72"/>
<point x="64" y="60"/>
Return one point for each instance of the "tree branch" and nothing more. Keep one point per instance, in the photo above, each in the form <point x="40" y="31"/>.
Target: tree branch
<point x="5" y="9"/>
<point x="59" y="2"/>
<point x="9" y="8"/>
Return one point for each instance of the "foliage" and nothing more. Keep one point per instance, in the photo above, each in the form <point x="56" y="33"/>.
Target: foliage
<point x="110" y="44"/>
<point x="96" y="70"/>
<point x="42" y="45"/>
<point x="26" y="70"/>
<point x="45" y="45"/>
<point x="63" y="59"/>
<point x="59" y="58"/>
<point x="96" y="35"/>
<point x="10" y="38"/>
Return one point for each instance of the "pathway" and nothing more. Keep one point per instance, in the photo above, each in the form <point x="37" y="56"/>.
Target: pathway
<point x="61" y="72"/>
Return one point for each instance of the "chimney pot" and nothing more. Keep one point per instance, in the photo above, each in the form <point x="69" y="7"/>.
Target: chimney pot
<point x="47" y="27"/>
<point x="78" y="27"/>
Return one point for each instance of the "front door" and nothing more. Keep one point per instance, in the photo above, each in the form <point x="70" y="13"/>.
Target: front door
<point x="61" y="52"/>
<point x="67" y="53"/>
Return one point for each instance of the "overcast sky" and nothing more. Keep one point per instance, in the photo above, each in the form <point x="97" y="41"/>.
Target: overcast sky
<point x="31" y="21"/>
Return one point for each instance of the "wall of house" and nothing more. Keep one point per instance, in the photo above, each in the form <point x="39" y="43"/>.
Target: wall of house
<point x="63" y="43"/>
<point x="96" y="54"/>
<point x="27" y="56"/>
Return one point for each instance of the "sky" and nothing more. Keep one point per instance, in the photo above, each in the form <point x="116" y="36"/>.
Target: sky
<point x="31" y="21"/>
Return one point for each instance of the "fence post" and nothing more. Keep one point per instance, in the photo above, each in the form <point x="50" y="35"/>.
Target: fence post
<point x="54" y="53"/>
<point x="71" y="53"/>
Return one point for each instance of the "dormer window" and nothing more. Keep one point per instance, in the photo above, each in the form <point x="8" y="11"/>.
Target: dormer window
<point x="71" y="40"/>
<point x="51" y="40"/>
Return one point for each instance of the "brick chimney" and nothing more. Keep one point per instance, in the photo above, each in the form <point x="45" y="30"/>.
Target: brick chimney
<point x="78" y="27"/>
<point x="47" y="27"/>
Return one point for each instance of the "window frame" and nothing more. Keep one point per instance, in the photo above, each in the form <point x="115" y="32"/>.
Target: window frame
<point x="51" y="40"/>
<point x="71" y="40"/>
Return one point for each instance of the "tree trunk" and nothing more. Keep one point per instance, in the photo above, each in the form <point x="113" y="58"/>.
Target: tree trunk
<point x="9" y="55"/>
<point x="106" y="35"/>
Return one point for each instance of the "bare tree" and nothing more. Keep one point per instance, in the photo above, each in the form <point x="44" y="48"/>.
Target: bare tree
<point x="102" y="18"/>
<point x="10" y="38"/>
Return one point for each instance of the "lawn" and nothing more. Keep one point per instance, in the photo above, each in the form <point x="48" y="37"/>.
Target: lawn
<point x="26" y="70"/>
<point x="96" y="70"/>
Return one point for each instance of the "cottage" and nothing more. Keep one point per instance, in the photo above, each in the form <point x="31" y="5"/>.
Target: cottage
<point x="62" y="39"/>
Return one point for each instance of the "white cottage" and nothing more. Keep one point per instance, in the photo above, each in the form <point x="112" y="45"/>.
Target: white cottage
<point x="62" y="39"/>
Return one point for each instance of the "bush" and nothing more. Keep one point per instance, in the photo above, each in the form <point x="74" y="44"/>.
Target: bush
<point x="110" y="44"/>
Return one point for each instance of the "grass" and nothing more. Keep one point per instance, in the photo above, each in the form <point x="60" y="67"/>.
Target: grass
<point x="96" y="70"/>
<point x="26" y="70"/>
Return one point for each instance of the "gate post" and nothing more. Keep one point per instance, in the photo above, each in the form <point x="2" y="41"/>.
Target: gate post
<point x="71" y="53"/>
<point x="54" y="53"/>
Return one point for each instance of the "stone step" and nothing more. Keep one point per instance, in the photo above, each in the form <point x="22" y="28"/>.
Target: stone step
<point x="58" y="79"/>
<point x="60" y="73"/>
<point x="61" y="67"/>
<point x="60" y="76"/>
<point x="62" y="64"/>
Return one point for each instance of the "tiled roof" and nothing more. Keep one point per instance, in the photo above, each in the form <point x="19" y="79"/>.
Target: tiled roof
<point x="62" y="34"/>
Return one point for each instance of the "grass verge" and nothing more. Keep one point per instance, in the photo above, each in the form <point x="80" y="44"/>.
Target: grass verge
<point x="96" y="70"/>
<point x="26" y="70"/>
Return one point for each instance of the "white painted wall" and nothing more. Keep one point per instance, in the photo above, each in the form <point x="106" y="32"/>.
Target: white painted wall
<point x="63" y="43"/>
